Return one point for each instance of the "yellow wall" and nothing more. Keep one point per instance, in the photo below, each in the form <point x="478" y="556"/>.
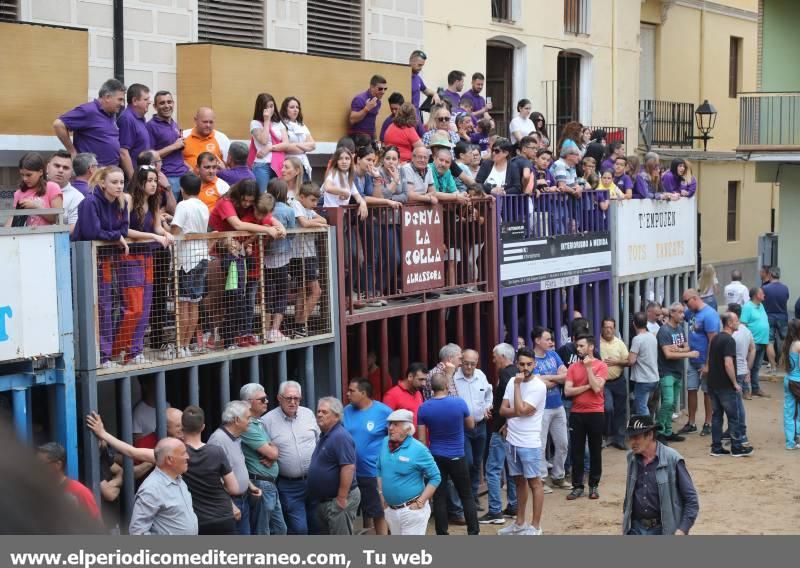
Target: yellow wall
<point x="230" y="78"/>
<point x="457" y="40"/>
<point x="45" y="75"/>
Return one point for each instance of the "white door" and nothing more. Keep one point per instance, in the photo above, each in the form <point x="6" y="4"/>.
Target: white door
<point x="647" y="63"/>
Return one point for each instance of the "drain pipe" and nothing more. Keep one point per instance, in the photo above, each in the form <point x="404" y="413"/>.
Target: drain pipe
<point x="119" y="42"/>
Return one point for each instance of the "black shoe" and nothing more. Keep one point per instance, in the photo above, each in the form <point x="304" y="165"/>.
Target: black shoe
<point x="593" y="493"/>
<point x="706" y="430"/>
<point x="301" y="332"/>
<point x="575" y="493"/>
<point x="492" y="519"/>
<point x="460" y="521"/>
<point x="675" y="438"/>
<point x="688" y="429"/>
<point x="510" y="512"/>
<point x="744" y="452"/>
<point x="719" y="452"/>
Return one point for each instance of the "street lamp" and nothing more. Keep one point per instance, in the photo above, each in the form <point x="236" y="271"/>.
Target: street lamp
<point x="706" y="118"/>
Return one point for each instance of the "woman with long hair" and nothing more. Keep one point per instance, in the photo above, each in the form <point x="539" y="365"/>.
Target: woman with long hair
<point x="269" y="141"/>
<point x="708" y="285"/>
<point x="35" y="192"/>
<point x="791" y="385"/>
<point x="679" y="181"/>
<point x="300" y="140"/>
<point x="521" y="125"/>
<point x="540" y="125"/>
<point x="103" y="216"/>
<point x="570" y="136"/>
<point x="440" y="121"/>
<point x="293" y="174"/>
<point x="647" y="184"/>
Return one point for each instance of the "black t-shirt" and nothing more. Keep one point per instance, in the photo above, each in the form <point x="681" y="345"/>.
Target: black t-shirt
<point x="506" y="375"/>
<point x="210" y="501"/>
<point x="723" y="345"/>
<point x="514" y="174"/>
<point x="569" y="354"/>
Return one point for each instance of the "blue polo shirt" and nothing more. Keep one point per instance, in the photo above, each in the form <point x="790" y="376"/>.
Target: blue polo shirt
<point x="444" y="418"/>
<point x="406" y="471"/>
<point x="368" y="428"/>
<point x="334" y="449"/>
<point x="548" y="365"/>
<point x="700" y="324"/>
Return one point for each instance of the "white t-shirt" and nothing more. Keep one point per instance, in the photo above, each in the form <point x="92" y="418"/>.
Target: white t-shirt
<point x="736" y="293"/>
<point x="496" y="177"/>
<point x="277" y="129"/>
<point x="526" y="431"/>
<point x="339" y="180"/>
<point x="303" y="245"/>
<point x="191" y="215"/>
<point x="522" y="125"/>
<point x="144" y="418"/>
<point x="299" y="133"/>
<point x="645" y="370"/>
<point x="72" y="198"/>
<point x="743" y="338"/>
<point x="653" y="327"/>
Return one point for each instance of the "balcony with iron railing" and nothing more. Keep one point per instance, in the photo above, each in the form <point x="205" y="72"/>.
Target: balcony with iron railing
<point x="666" y="124"/>
<point x="769" y="122"/>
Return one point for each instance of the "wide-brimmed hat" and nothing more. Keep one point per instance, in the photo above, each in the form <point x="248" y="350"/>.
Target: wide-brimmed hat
<point x="640" y="424"/>
<point x="440" y="140"/>
<point x="401" y="416"/>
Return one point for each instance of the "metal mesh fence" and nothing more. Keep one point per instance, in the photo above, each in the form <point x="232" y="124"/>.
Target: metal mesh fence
<point x="209" y="292"/>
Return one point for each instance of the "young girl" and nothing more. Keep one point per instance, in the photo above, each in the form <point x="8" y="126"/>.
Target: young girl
<point x="269" y="141"/>
<point x="708" y="285"/>
<point x="791" y="385"/>
<point x="521" y="125"/>
<point x="35" y="193"/>
<point x="292" y="173"/>
<point x="276" y="262"/>
<point x="103" y="216"/>
<point x="135" y="277"/>
<point x="647" y="184"/>
<point x="607" y="184"/>
<point x="621" y="179"/>
<point x="679" y="181"/>
<point x="339" y="185"/>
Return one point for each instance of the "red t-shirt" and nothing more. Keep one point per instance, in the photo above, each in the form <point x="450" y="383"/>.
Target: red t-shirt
<point x="83" y="496"/>
<point x="398" y="397"/>
<point x="588" y="401"/>
<point x="218" y="220"/>
<point x="404" y="138"/>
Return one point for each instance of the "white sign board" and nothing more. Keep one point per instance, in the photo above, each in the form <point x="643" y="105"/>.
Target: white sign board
<point x="28" y="297"/>
<point x="654" y="236"/>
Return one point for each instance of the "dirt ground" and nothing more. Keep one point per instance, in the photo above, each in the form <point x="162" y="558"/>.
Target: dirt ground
<point x="755" y="495"/>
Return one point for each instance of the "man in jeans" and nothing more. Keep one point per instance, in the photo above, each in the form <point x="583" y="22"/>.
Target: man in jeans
<point x="643" y="360"/>
<point x="776" y="296"/>
<point x="755" y="317"/>
<point x="446" y="418"/>
<point x="260" y="457"/>
<point x="703" y="326"/>
<point x="725" y="391"/>
<point x="503" y="357"/>
<point x="672" y="351"/>
<point x="745" y="355"/>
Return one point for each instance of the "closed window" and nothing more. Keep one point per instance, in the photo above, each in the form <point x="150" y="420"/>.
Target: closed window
<point x="501" y="10"/>
<point x="576" y="17"/>
<point x="231" y="22"/>
<point x="9" y="10"/>
<point x="735" y="67"/>
<point x="335" y="28"/>
<point x="733" y="211"/>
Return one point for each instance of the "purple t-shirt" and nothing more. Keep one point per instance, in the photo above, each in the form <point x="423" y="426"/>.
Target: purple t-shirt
<point x="163" y="133"/>
<point x="81" y="185"/>
<point x="95" y="131"/>
<point x="366" y="124"/>
<point x="235" y="175"/>
<point x="454" y="99"/>
<point x="133" y="134"/>
<point x="623" y="182"/>
<point x="478" y="102"/>
<point x="417" y="87"/>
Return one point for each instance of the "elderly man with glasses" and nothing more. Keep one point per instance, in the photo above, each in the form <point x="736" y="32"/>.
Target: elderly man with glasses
<point x="294" y="431"/>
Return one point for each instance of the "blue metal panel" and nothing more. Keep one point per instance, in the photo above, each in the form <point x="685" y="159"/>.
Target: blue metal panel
<point x="19" y="399"/>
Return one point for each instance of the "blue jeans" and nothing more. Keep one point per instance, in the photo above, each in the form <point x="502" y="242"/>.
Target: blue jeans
<point x="740" y="380"/>
<point x="761" y="351"/>
<point x="641" y="396"/>
<point x="298" y="511"/>
<point x="268" y="515"/>
<point x="495" y="464"/>
<point x="638" y="529"/>
<point x="791" y="418"/>
<point x="616" y="399"/>
<point x="243" y="503"/>
<point x="726" y="401"/>
<point x="175" y="184"/>
<point x="474" y="445"/>
<point x="263" y="173"/>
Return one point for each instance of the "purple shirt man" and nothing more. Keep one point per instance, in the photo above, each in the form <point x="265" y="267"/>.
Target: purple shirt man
<point x="81" y="185"/>
<point x="165" y="132"/>
<point x="365" y="107"/>
<point x="474" y="96"/>
<point x="454" y="98"/>
<point x="94" y="130"/>
<point x="133" y="134"/>
<point x="235" y="174"/>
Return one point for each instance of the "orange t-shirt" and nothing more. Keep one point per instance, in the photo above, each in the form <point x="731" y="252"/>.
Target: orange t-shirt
<point x="210" y="192"/>
<point x="194" y="145"/>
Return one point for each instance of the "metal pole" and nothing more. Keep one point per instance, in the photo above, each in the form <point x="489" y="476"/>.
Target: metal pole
<point x="126" y="434"/>
<point x="161" y="405"/>
<point x="119" y="41"/>
<point x="20" y="404"/>
<point x="194" y="385"/>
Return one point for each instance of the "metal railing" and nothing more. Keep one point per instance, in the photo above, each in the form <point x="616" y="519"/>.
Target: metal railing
<point x="769" y="119"/>
<point x="205" y="295"/>
<point x="555" y="214"/>
<point x="613" y="133"/>
<point x="412" y="252"/>
<point x="666" y="124"/>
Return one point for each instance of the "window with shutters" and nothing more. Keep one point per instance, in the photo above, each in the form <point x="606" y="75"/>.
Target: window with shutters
<point x="735" y="67"/>
<point x="733" y="211"/>
<point x="576" y="17"/>
<point x="231" y="22"/>
<point x="9" y="10"/>
<point x="335" y="28"/>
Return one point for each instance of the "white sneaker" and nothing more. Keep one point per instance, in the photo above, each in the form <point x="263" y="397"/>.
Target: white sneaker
<point x="514" y="529"/>
<point x="138" y="360"/>
<point x="110" y="364"/>
<point x="533" y="531"/>
<point x="274" y="336"/>
<point x="231" y="347"/>
<point x="547" y="489"/>
<point x="183" y="352"/>
<point x="167" y="352"/>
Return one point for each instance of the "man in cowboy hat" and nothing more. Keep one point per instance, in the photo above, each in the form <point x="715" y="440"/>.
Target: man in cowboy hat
<point x="660" y="498"/>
